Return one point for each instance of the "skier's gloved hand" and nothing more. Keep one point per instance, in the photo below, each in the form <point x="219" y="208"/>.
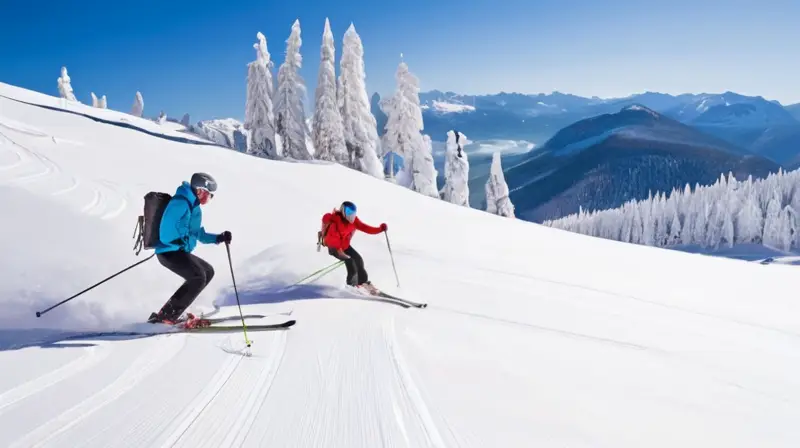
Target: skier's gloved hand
<point x="224" y="237"/>
<point x="384" y="227"/>
<point x="342" y="254"/>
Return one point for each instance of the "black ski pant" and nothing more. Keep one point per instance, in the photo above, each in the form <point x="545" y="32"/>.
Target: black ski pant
<point x="356" y="274"/>
<point x="197" y="274"/>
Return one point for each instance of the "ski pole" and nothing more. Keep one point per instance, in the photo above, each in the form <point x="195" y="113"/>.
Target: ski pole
<point x="386" y="234"/>
<point x="39" y="313"/>
<point x="230" y="263"/>
<point x="321" y="272"/>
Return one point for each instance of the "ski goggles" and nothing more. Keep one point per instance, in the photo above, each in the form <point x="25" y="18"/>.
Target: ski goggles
<point x="349" y="212"/>
<point x="210" y="193"/>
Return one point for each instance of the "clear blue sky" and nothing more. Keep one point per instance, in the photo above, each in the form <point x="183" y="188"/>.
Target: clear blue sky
<point x="191" y="56"/>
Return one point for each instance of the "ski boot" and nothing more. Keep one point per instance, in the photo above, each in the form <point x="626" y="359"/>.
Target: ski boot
<point x="193" y="321"/>
<point x="368" y="288"/>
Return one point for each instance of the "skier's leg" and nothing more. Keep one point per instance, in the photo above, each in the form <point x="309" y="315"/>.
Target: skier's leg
<point x="209" y="270"/>
<point x="194" y="274"/>
<point x="349" y="263"/>
<point x="359" y="265"/>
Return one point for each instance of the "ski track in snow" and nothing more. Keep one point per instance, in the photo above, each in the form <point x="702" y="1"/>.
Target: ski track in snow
<point x="123" y="201"/>
<point x="344" y="378"/>
<point x="229" y="407"/>
<point x="250" y="410"/>
<point x="92" y="356"/>
<point x="410" y="392"/>
<point x="149" y="362"/>
<point x="4" y="144"/>
<point x="107" y="199"/>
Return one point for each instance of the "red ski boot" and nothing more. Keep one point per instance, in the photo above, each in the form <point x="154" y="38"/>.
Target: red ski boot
<point x="193" y="321"/>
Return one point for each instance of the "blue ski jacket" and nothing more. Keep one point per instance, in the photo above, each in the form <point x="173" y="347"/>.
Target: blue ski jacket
<point x="181" y="225"/>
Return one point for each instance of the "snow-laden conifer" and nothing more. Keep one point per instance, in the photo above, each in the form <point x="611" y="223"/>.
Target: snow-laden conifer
<point x="404" y="121"/>
<point x="726" y="213"/>
<point x="290" y="116"/>
<point x="327" y="130"/>
<point x="423" y="173"/>
<point x="138" y="105"/>
<point x="65" y="86"/>
<point x="456" y="170"/>
<point x="259" y="118"/>
<point x="498" y="201"/>
<point x="360" y="128"/>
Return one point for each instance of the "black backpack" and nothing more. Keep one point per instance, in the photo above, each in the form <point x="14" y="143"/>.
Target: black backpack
<point x="148" y="223"/>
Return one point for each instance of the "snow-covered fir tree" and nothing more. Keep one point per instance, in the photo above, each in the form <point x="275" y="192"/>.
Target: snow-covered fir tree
<point x="724" y="214"/>
<point x="162" y="118"/>
<point x="456" y="170"/>
<point x="404" y="121"/>
<point x="422" y="172"/>
<point x="360" y="128"/>
<point x="498" y="201"/>
<point x="65" y="86"/>
<point x="95" y="101"/>
<point x="259" y="118"/>
<point x="103" y="103"/>
<point x="327" y="130"/>
<point x="185" y="120"/>
<point x="138" y="105"/>
<point x="290" y="115"/>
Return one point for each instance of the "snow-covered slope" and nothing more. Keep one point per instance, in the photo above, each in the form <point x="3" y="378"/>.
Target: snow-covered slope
<point x="533" y="337"/>
<point x="169" y="130"/>
<point x="226" y="132"/>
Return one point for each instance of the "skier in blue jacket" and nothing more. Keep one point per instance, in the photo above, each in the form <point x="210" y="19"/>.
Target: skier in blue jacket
<point x="181" y="228"/>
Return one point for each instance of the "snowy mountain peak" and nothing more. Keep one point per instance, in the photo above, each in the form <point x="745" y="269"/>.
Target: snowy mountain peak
<point x="639" y="108"/>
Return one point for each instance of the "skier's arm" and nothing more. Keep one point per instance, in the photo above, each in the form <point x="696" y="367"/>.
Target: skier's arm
<point x="174" y="226"/>
<point x="367" y="228"/>
<point x="207" y="238"/>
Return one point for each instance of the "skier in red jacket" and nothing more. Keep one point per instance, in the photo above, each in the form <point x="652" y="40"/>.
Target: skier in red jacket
<point x="338" y="228"/>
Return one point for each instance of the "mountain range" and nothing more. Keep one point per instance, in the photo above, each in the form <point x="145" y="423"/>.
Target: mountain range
<point x="604" y="161"/>
<point x="755" y="124"/>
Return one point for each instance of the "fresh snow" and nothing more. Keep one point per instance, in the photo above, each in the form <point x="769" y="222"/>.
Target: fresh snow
<point x="534" y="336"/>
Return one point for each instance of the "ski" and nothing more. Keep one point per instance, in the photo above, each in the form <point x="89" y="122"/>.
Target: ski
<point x="388" y="298"/>
<point x="406" y="301"/>
<point x="161" y="330"/>
<point x="225" y="319"/>
<point x="234" y="328"/>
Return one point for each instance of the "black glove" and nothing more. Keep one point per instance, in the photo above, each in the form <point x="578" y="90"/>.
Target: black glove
<point x="224" y="237"/>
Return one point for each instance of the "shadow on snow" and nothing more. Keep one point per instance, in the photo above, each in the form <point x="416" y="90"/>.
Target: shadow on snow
<point x="19" y="339"/>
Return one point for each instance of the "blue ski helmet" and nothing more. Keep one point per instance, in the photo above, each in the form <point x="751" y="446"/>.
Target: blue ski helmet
<point x="349" y="210"/>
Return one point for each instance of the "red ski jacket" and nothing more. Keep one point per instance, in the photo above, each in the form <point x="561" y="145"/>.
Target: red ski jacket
<point x="340" y="230"/>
